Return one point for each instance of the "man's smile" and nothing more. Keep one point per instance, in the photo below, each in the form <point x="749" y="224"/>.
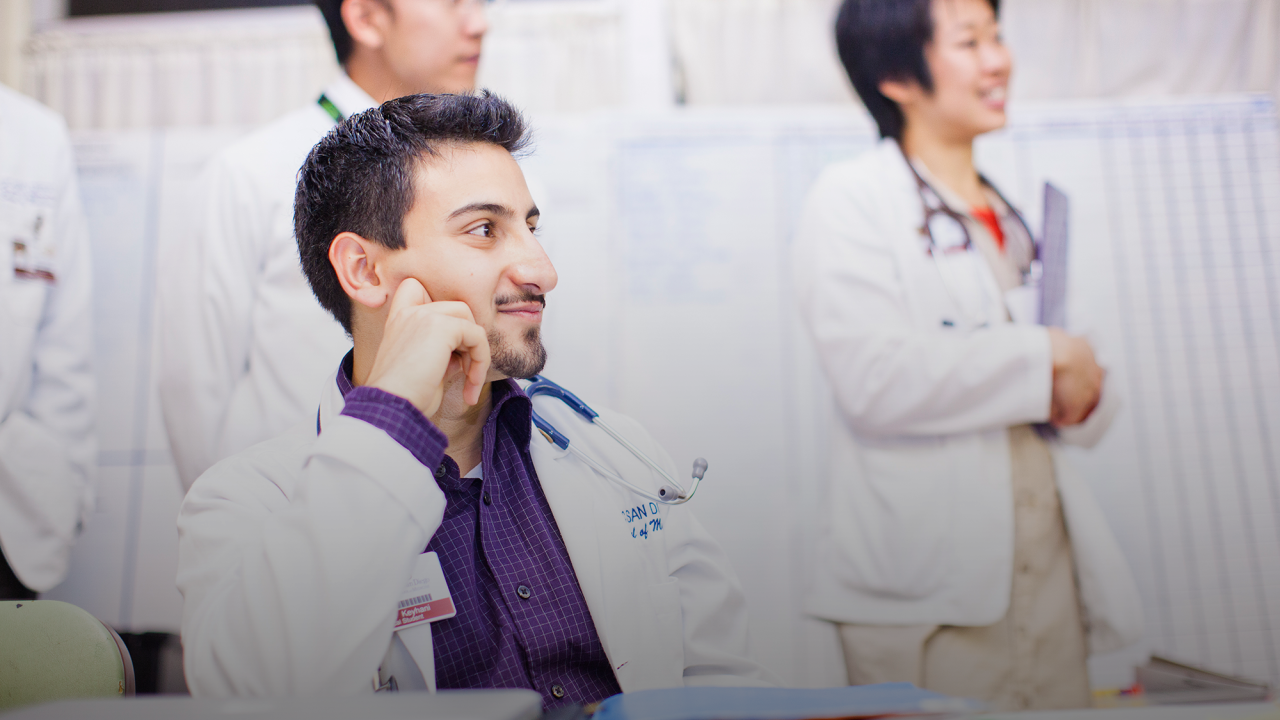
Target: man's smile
<point x="531" y="311"/>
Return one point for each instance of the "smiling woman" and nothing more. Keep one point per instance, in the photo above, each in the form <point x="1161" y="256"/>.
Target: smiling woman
<point x="945" y="559"/>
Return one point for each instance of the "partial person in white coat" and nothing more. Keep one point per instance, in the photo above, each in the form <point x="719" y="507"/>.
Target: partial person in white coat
<point x="47" y="449"/>
<point x="957" y="549"/>
<point x="242" y="342"/>
<point x="417" y="231"/>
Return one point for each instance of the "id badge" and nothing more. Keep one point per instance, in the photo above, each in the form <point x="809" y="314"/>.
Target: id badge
<point x="426" y="598"/>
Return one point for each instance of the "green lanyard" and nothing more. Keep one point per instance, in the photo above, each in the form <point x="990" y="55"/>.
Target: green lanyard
<point x="324" y="102"/>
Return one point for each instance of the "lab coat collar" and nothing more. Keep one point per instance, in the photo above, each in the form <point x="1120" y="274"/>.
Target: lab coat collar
<point x="348" y="96"/>
<point x="954" y="201"/>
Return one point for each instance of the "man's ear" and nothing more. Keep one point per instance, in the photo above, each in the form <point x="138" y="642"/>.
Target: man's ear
<point x="367" y="21"/>
<point x="358" y="263"/>
<point x="902" y="93"/>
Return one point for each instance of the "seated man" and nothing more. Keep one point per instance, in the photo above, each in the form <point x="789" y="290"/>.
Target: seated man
<point x="417" y="232"/>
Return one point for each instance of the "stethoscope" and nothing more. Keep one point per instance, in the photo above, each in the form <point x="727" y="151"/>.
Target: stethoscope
<point x="945" y="234"/>
<point x="672" y="493"/>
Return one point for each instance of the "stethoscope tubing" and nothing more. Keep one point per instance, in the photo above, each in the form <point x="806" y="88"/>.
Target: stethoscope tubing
<point x="543" y="386"/>
<point x="600" y="423"/>
<point x="614" y="477"/>
<point x="923" y="187"/>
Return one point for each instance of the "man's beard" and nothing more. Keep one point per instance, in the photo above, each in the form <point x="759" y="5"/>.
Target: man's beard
<point x="522" y="360"/>
<point x="526" y="358"/>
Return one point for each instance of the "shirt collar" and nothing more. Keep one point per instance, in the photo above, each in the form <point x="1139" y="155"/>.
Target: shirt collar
<point x="348" y="96"/>
<point x="513" y="408"/>
<point x="344" y="373"/>
<point x="510" y="404"/>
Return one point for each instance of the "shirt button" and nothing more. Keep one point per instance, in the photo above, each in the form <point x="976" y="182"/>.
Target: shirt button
<point x="557" y="691"/>
<point x="487" y="499"/>
<point x="525" y="593"/>
<point x="440" y="471"/>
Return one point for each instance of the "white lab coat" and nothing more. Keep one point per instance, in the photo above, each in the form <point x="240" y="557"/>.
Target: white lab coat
<point x="918" y="526"/>
<point x="47" y="450"/>
<point x="243" y="343"/>
<point x="292" y="556"/>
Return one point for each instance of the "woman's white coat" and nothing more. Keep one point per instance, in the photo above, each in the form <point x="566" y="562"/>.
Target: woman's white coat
<point x="919" y="524"/>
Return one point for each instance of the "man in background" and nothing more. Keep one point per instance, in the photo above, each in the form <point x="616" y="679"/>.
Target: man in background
<point x="46" y="341"/>
<point x="244" y="346"/>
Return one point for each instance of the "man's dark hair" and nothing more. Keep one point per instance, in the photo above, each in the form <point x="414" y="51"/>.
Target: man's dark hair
<point x="882" y="40"/>
<point x="332" y="12"/>
<point x="360" y="177"/>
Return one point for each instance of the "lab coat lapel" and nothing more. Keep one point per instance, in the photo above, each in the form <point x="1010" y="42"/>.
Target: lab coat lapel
<point x="602" y="563"/>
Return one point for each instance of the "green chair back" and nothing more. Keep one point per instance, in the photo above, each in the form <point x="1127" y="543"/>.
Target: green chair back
<point x="51" y="650"/>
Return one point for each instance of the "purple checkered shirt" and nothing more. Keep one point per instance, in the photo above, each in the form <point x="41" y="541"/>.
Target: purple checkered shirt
<point x="522" y="621"/>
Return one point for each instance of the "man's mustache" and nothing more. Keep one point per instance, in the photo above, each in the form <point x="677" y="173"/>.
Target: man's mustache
<point x="522" y="297"/>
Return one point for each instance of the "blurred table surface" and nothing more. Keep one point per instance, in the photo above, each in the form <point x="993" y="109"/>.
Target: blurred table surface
<point x="445" y="705"/>
<point x="1230" y="711"/>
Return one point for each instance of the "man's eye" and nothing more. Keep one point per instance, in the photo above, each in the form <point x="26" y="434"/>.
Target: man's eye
<point x="483" y="230"/>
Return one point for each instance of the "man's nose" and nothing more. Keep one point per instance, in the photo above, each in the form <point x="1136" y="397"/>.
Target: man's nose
<point x="533" y="269"/>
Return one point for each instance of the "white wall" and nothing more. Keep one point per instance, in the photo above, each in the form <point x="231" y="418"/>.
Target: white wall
<point x="777" y="52"/>
<point x="247" y="67"/>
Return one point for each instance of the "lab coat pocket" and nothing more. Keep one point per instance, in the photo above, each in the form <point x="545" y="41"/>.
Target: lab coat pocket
<point x="26" y="265"/>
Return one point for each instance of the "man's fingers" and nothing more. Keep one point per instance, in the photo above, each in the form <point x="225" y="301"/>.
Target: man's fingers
<point x="411" y="293"/>
<point x="474" y="342"/>
<point x="459" y="310"/>
<point x="425" y="344"/>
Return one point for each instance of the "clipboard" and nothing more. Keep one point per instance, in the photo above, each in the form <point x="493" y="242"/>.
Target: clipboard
<point x="1052" y="252"/>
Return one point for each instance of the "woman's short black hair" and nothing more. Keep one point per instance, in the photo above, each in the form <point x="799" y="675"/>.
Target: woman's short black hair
<point x="332" y="12"/>
<point x="360" y="177"/>
<point x="882" y="40"/>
